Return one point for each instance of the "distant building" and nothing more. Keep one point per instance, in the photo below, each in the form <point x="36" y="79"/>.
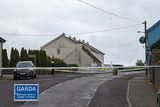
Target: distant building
<point x="73" y="51"/>
<point x="1" y="48"/>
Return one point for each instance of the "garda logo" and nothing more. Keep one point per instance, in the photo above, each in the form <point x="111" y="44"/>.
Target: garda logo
<point x="26" y="92"/>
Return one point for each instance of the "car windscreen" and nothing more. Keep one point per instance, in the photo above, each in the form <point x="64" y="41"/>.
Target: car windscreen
<point x="19" y="65"/>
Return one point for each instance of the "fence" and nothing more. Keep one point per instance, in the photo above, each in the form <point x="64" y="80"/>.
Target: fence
<point x="47" y="70"/>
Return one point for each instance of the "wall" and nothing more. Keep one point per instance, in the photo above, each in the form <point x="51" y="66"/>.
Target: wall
<point x="98" y="55"/>
<point x="1" y="47"/>
<point x="66" y="47"/>
<point x="70" y="52"/>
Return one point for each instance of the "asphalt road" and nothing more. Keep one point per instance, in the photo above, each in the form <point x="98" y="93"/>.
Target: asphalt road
<point x="73" y="93"/>
<point x="77" y="90"/>
<point x="45" y="82"/>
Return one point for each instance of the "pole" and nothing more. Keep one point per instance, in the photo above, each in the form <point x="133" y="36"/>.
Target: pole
<point x="146" y="38"/>
<point x="146" y="42"/>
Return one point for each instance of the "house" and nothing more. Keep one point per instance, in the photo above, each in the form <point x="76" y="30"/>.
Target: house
<point x="73" y="51"/>
<point x="1" y="48"/>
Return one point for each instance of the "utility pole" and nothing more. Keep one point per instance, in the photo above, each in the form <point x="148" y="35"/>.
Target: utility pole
<point x="146" y="43"/>
<point x="146" y="39"/>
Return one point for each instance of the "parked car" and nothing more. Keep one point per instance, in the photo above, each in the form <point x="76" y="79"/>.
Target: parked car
<point x="28" y="70"/>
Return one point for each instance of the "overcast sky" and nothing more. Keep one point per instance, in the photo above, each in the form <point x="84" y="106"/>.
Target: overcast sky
<point x="53" y="17"/>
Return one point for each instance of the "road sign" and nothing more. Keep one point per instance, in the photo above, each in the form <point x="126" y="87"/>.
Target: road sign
<point x="26" y="92"/>
<point x="142" y="39"/>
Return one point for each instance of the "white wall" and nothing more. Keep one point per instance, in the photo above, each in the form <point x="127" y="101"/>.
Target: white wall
<point x="1" y="47"/>
<point x="66" y="47"/>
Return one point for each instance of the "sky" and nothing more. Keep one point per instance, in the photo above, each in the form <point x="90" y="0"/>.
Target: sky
<point x="40" y="21"/>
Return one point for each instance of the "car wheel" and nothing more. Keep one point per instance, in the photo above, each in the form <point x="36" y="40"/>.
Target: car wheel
<point x="15" y="78"/>
<point x="32" y="76"/>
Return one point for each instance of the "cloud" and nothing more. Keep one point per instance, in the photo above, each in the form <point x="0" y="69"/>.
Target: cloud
<point x="52" y="17"/>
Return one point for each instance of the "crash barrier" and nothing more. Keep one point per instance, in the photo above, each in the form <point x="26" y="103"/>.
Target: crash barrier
<point x="48" y="70"/>
<point x="152" y="71"/>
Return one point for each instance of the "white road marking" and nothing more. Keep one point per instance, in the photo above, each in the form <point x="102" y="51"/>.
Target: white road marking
<point x="49" y="89"/>
<point x="73" y="93"/>
<point x="127" y="97"/>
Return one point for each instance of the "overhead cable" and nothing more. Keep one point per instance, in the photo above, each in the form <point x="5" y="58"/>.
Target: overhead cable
<point x="122" y="17"/>
<point x="80" y="33"/>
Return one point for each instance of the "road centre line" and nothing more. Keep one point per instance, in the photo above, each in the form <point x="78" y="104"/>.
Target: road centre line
<point x="127" y="97"/>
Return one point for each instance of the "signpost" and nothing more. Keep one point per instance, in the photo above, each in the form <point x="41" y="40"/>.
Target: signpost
<point x="26" y="92"/>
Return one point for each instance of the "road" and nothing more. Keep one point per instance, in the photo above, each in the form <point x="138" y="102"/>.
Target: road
<point x="73" y="93"/>
<point x="45" y="82"/>
<point x="78" y="90"/>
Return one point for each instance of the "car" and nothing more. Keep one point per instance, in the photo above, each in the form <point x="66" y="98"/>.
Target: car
<point x="24" y="69"/>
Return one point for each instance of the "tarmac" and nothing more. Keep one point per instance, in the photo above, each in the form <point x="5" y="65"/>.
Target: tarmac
<point x="127" y="91"/>
<point x="101" y="91"/>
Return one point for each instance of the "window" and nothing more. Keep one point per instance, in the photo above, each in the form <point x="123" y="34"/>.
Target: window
<point x="58" y="51"/>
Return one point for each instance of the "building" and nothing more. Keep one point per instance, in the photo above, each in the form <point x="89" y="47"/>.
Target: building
<point x="1" y="48"/>
<point x="153" y="53"/>
<point x="73" y="51"/>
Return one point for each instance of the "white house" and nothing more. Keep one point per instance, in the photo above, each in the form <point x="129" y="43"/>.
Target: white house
<point x="1" y="48"/>
<point x="73" y="51"/>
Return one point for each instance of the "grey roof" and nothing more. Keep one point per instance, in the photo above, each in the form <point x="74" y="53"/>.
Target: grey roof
<point x="2" y="40"/>
<point x="75" y="41"/>
<point x="90" y="54"/>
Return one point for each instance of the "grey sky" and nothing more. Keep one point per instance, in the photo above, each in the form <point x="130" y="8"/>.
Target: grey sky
<point x="54" y="17"/>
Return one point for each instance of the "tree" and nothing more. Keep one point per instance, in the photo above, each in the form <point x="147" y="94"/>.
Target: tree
<point x="32" y="56"/>
<point x="42" y="56"/>
<point x="5" y="60"/>
<point x="17" y="58"/>
<point x="14" y="57"/>
<point x="139" y="63"/>
<point x="38" y="58"/>
<point x="59" y="63"/>
<point x="24" y="55"/>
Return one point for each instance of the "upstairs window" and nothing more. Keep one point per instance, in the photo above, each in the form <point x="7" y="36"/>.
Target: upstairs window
<point x="58" y="51"/>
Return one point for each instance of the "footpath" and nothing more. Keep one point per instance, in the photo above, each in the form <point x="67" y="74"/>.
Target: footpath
<point x="141" y="92"/>
<point x="127" y="91"/>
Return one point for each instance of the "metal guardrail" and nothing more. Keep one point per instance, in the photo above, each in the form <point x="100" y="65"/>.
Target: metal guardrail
<point x="84" y="69"/>
<point x="125" y="67"/>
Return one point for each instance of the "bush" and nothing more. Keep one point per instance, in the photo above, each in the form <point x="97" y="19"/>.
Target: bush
<point x="72" y="65"/>
<point x="59" y="63"/>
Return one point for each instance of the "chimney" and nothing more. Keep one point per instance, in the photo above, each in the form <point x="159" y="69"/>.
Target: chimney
<point x="79" y="40"/>
<point x="63" y="34"/>
<point x="83" y="41"/>
<point x="87" y="43"/>
<point x="74" y="38"/>
<point x="70" y="37"/>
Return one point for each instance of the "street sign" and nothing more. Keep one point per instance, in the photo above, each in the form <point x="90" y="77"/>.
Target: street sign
<point x="142" y="39"/>
<point x="26" y="92"/>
